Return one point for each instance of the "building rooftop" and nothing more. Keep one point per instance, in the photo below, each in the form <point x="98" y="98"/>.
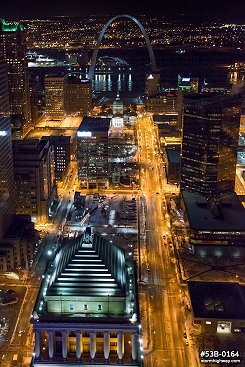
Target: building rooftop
<point x="20" y="224"/>
<point x="61" y="74"/>
<point x="220" y="300"/>
<point x="173" y="155"/>
<point x="88" y="267"/>
<point x="30" y="147"/>
<point x="224" y="214"/>
<point x="76" y="80"/>
<point x="165" y="118"/>
<point x="94" y="124"/>
<point x="208" y="98"/>
<point x="84" y="273"/>
<point x="57" y="139"/>
<point x="168" y="130"/>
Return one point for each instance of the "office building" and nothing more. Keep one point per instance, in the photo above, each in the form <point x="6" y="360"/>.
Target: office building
<point x="152" y="84"/>
<point x="218" y="306"/>
<point x="18" y="246"/>
<point x="172" y="167"/>
<point x="33" y="160"/>
<point x="7" y="185"/>
<point x="34" y="109"/>
<point x="13" y="44"/>
<point x="78" y="96"/>
<point x="62" y="154"/>
<point x="87" y="309"/>
<point x="210" y="140"/>
<point x="215" y="226"/>
<point x="165" y="104"/>
<point x="92" y="152"/>
<point x="55" y="94"/>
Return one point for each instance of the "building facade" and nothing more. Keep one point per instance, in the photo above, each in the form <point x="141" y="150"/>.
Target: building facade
<point x="33" y="160"/>
<point x="210" y="140"/>
<point x="166" y="104"/>
<point x="7" y="184"/>
<point x="55" y="94"/>
<point x="62" y="154"/>
<point x="13" y="44"/>
<point x="152" y="84"/>
<point x="34" y="103"/>
<point x="92" y="152"/>
<point x="18" y="245"/>
<point x="87" y="309"/>
<point x="78" y="96"/>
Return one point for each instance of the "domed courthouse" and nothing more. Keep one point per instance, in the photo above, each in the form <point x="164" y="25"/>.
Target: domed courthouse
<point x="86" y="310"/>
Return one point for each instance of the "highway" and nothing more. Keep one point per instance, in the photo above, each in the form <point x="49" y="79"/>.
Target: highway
<point x="166" y="344"/>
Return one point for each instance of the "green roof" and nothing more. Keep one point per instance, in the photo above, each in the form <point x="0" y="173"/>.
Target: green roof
<point x="8" y="27"/>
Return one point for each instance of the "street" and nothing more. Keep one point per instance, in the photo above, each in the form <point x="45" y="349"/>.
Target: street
<point x="165" y="344"/>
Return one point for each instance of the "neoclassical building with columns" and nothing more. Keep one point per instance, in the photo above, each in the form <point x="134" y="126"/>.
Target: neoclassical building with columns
<point x="87" y="311"/>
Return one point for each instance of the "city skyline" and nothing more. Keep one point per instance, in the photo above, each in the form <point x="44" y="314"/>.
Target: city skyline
<point x="122" y="186"/>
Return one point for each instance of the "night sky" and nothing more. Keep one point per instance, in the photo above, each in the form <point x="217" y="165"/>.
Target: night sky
<point x="17" y="9"/>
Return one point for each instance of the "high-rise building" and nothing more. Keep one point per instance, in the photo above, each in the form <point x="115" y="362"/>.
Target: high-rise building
<point x="7" y="186"/>
<point x="33" y="178"/>
<point x="34" y="102"/>
<point x="62" y="154"/>
<point x="92" y="152"/>
<point x="209" y="147"/>
<point x="13" y="43"/>
<point x="78" y="96"/>
<point x="152" y="84"/>
<point x="55" y="94"/>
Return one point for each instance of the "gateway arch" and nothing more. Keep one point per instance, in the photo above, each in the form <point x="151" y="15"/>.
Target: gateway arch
<point x="102" y="33"/>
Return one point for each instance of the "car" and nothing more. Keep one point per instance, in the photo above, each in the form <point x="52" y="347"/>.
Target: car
<point x="186" y="342"/>
<point x="185" y="335"/>
<point x="157" y="193"/>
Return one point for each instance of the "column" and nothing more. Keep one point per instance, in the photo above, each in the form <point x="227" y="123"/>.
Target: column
<point x="78" y="344"/>
<point x="120" y="346"/>
<point x="134" y="346"/>
<point x="92" y="345"/>
<point x="37" y="344"/>
<point x="106" y="345"/>
<point x="64" y="344"/>
<point x="50" y="344"/>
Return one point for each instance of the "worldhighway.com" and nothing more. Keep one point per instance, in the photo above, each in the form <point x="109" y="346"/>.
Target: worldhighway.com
<point x="218" y="361"/>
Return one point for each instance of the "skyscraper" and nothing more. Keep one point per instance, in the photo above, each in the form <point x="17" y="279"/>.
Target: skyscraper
<point x="210" y="139"/>
<point x="55" y="94"/>
<point x="78" y="96"/>
<point x="7" y="187"/>
<point x="33" y="161"/>
<point x="12" y="38"/>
